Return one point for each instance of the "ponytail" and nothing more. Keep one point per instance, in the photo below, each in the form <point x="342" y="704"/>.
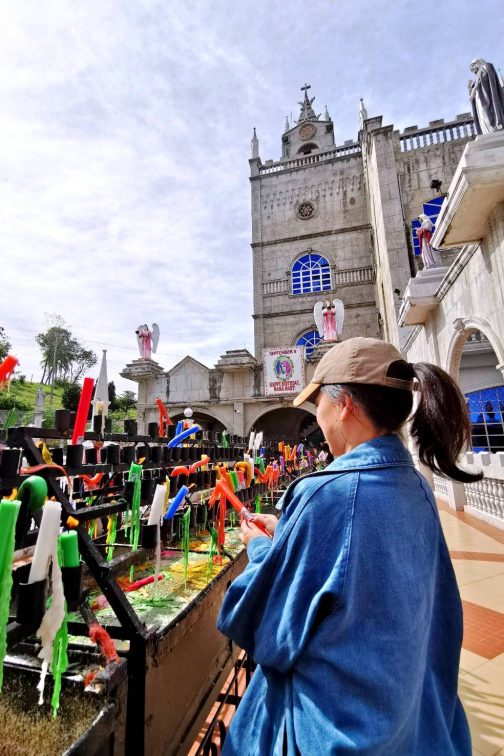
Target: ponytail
<point x="440" y="425"/>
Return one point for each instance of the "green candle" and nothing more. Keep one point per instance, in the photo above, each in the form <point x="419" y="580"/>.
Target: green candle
<point x="236" y="480"/>
<point x="9" y="511"/>
<point x="70" y="548"/>
<point x="186" y="519"/>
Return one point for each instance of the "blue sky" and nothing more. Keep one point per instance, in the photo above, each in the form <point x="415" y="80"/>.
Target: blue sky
<point x="124" y="141"/>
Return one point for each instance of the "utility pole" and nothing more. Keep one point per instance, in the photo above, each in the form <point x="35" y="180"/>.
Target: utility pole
<point x="53" y="369"/>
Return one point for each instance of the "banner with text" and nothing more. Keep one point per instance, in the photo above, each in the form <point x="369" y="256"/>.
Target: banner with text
<point x="284" y="370"/>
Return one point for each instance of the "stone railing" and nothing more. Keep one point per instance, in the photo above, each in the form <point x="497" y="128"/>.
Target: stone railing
<point x="339" y="278"/>
<point x="352" y="276"/>
<point x="486" y="495"/>
<point x="279" y="286"/>
<point x="413" y="138"/>
<point x="440" y="486"/>
<point x="318" y="157"/>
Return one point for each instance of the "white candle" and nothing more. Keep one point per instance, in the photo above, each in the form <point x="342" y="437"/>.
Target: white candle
<point x="46" y="541"/>
<point x="157" y="506"/>
<point x="250" y="461"/>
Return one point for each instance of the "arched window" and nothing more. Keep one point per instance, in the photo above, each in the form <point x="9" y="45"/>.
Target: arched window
<point x="309" y="340"/>
<point x="310" y="273"/>
<point x="307" y="149"/>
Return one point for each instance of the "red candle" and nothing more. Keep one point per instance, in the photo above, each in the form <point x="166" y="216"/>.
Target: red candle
<point x="82" y="411"/>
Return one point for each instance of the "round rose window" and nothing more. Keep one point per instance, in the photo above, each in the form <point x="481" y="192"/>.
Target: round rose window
<point x="306" y="210"/>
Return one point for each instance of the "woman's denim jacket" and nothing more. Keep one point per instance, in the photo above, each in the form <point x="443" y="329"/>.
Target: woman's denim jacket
<point x="353" y="616"/>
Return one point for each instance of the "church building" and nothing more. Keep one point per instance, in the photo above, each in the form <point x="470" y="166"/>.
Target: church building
<point x="329" y="223"/>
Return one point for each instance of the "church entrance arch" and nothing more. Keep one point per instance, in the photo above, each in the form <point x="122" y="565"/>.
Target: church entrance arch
<point x="205" y="419"/>
<point x="289" y="424"/>
<point x="475" y="364"/>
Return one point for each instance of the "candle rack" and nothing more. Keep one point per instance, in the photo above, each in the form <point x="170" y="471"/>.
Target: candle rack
<point x="184" y="660"/>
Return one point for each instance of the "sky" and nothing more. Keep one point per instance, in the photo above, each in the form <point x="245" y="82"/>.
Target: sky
<point x="125" y="132"/>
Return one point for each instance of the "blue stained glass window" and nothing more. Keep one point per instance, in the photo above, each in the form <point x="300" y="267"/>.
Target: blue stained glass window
<point x="430" y="208"/>
<point x="486" y="411"/>
<point x="311" y="272"/>
<point x="309" y="340"/>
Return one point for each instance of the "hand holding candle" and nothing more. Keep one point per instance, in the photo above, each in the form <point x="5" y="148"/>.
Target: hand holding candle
<point x="235" y="502"/>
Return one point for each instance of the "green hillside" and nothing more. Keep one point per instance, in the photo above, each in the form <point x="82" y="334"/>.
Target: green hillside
<point x="28" y="391"/>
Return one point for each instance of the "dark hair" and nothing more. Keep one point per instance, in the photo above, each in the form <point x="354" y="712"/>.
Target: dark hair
<point x="440" y="425"/>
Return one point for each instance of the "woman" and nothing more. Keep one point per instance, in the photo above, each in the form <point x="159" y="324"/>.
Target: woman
<point x="352" y="611"/>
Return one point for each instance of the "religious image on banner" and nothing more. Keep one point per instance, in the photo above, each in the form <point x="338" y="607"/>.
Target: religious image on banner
<point x="284" y="370"/>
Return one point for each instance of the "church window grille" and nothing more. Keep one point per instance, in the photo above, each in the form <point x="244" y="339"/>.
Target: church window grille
<point x="486" y="412"/>
<point x="311" y="273"/>
<point x="309" y="340"/>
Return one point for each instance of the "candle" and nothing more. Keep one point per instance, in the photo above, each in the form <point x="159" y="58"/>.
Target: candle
<point x="250" y="460"/>
<point x="179" y="437"/>
<point x="46" y="541"/>
<point x="82" y="411"/>
<point x="9" y="511"/>
<point x="177" y="501"/>
<point x="157" y="505"/>
<point x="70" y="547"/>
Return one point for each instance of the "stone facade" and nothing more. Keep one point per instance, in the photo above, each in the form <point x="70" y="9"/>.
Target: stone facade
<point x="351" y="204"/>
<point x="466" y="300"/>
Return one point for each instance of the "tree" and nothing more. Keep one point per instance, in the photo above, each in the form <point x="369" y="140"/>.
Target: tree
<point x="126" y="401"/>
<point x="112" y="395"/>
<point x="63" y="357"/>
<point x="70" y="396"/>
<point x="4" y="344"/>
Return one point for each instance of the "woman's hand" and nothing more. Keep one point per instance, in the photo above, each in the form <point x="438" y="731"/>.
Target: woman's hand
<point x="249" y="531"/>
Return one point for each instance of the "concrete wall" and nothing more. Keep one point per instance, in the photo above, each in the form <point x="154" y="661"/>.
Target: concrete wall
<point x="473" y="301"/>
<point x="417" y="168"/>
<point x="393" y="271"/>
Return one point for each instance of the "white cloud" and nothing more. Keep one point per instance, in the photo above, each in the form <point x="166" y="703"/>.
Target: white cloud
<point x="124" y="138"/>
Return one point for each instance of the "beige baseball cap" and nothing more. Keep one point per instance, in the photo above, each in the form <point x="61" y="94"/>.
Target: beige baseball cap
<point x="358" y="360"/>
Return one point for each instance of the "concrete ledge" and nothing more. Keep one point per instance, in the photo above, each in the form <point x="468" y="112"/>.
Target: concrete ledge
<point x="420" y="296"/>
<point x="476" y="189"/>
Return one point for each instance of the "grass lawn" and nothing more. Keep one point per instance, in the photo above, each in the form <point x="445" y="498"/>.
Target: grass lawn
<point x="28" y="391"/>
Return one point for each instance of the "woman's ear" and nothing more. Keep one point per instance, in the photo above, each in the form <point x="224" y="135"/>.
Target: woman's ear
<point x="347" y="407"/>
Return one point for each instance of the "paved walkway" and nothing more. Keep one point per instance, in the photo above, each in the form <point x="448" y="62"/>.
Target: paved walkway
<point x="477" y="551"/>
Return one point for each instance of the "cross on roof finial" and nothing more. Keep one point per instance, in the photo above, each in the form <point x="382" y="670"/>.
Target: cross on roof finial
<point x="306" y="88"/>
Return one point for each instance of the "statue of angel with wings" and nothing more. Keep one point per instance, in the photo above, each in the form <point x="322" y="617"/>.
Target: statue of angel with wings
<point x="329" y="317"/>
<point x="147" y="339"/>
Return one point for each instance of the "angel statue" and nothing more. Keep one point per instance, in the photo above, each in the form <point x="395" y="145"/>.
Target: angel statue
<point x="329" y="317"/>
<point x="147" y="340"/>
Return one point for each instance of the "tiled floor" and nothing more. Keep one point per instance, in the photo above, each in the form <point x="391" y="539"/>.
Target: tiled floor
<point x="477" y="551"/>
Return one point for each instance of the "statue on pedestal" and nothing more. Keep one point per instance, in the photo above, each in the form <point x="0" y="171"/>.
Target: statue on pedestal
<point x="39" y="407"/>
<point x="329" y="317"/>
<point x="147" y="340"/>
<point x="424" y="235"/>
<point x="487" y="97"/>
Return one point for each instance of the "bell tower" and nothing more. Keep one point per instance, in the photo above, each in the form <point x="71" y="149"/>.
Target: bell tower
<point x="311" y="239"/>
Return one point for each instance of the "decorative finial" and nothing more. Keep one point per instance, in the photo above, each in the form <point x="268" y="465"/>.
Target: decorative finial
<point x="307" y="112"/>
<point x="254" y="145"/>
<point x="287" y="124"/>
<point x="327" y="117"/>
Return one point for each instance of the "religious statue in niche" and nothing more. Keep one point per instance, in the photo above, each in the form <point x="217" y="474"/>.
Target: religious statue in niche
<point x="424" y="235"/>
<point x="486" y="93"/>
<point x="329" y="317"/>
<point x="147" y="340"/>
